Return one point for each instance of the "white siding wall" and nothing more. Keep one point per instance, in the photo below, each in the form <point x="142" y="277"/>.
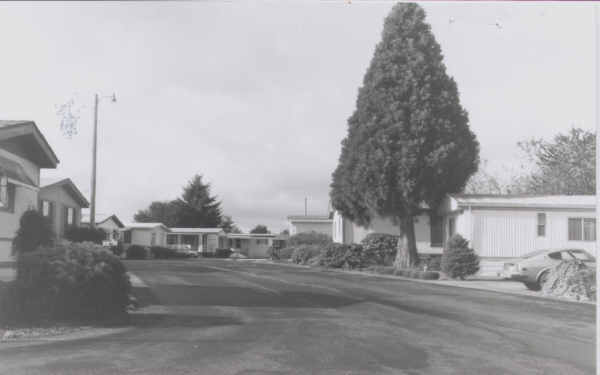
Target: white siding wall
<point x="143" y="237"/>
<point x="511" y="233"/>
<point x="319" y="227"/>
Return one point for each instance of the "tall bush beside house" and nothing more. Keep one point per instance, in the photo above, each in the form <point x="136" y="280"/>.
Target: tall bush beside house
<point x="136" y="252"/>
<point x="380" y="248"/>
<point x="85" y="234"/>
<point x="34" y="231"/>
<point x="303" y="253"/>
<point x="309" y="238"/>
<point x="458" y="260"/>
<point x="337" y="255"/>
<point x="69" y="281"/>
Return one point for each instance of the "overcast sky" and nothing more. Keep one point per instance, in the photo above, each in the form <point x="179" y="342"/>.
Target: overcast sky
<point x="255" y="95"/>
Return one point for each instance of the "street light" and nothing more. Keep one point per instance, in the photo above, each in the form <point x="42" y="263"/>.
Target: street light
<point x="113" y="98"/>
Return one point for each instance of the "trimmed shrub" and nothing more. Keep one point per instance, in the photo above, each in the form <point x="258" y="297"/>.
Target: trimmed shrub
<point x="429" y="275"/>
<point x="303" y="253"/>
<point x="431" y="262"/>
<point x="34" y="230"/>
<point x="285" y="253"/>
<point x="85" y="234"/>
<point x="458" y="260"/>
<point x="159" y="252"/>
<point x="70" y="281"/>
<point x="309" y="238"/>
<point x="223" y="253"/>
<point x="337" y="255"/>
<point x="117" y="249"/>
<point x="379" y="248"/>
<point x="415" y="274"/>
<point x="136" y="252"/>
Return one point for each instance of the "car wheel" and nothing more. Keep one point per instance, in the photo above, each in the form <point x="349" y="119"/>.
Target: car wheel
<point x="533" y="286"/>
<point x="543" y="278"/>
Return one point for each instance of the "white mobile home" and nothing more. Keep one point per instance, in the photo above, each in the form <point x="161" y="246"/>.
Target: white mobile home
<point x="205" y="240"/>
<point x="497" y="226"/>
<point x="310" y="223"/>
<point x="144" y="234"/>
<point x="252" y="245"/>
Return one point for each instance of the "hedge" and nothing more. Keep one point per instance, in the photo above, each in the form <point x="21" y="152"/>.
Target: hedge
<point x="380" y="248"/>
<point x="303" y="253"/>
<point x="68" y="281"/>
<point x="136" y="252"/>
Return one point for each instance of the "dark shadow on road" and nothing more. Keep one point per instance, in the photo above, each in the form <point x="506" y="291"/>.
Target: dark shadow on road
<point x="144" y="320"/>
<point x="193" y="295"/>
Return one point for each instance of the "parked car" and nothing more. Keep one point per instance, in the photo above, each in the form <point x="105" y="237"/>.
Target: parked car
<point x="533" y="268"/>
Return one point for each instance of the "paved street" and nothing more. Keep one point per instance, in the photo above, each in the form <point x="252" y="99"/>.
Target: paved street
<point x="228" y="317"/>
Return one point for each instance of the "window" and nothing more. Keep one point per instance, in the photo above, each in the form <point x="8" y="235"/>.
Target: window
<point x="582" y="229"/>
<point x="7" y="195"/>
<point x="69" y="215"/>
<point x="589" y="229"/>
<point x="3" y="191"/>
<point x="153" y="239"/>
<point x="262" y="241"/>
<point x="557" y="255"/>
<point x="541" y="224"/>
<point x="451" y="227"/>
<point x="127" y="236"/>
<point x="436" y="231"/>
<point x="171" y="239"/>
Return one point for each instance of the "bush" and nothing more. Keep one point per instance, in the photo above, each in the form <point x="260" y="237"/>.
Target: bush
<point x="223" y="253"/>
<point x="429" y="275"/>
<point x="303" y="253"/>
<point x="571" y="279"/>
<point x="431" y="262"/>
<point x="309" y="238"/>
<point x="117" y="249"/>
<point x="85" y="234"/>
<point x="136" y="252"/>
<point x="379" y="248"/>
<point x="337" y="255"/>
<point x="34" y="231"/>
<point x="78" y="281"/>
<point x="159" y="252"/>
<point x="458" y="260"/>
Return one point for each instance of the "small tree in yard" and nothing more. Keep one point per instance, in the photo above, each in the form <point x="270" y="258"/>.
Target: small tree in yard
<point x="34" y="231"/>
<point x="458" y="260"/>
<point x="408" y="140"/>
<point x="260" y="229"/>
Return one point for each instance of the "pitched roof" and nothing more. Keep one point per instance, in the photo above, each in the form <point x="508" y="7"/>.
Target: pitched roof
<point x="71" y="188"/>
<point x="100" y="218"/>
<point x="145" y="226"/>
<point x="34" y="145"/>
<point x="15" y="171"/>
<point x="531" y="201"/>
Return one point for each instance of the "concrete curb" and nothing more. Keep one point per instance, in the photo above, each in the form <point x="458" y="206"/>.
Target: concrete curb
<point x="85" y="333"/>
<point x="432" y="282"/>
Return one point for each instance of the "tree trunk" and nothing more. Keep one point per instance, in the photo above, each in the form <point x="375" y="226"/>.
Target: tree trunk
<point x="407" y="256"/>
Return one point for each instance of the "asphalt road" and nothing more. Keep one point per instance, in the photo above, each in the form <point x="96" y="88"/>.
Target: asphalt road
<point x="238" y="317"/>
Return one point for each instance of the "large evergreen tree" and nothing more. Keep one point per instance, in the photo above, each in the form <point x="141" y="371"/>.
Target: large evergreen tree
<point x="195" y="208"/>
<point x="408" y="140"/>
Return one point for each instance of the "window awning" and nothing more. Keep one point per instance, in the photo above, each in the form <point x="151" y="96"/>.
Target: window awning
<point x="14" y="171"/>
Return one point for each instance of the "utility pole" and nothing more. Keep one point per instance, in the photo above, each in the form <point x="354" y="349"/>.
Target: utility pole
<point x="97" y="98"/>
<point x="305" y="206"/>
<point x="94" y="153"/>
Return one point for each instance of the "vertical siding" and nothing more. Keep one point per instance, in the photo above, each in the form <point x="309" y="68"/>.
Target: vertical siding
<point x="512" y="233"/>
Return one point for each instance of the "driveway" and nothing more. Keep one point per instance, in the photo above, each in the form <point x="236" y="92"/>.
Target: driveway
<point x="226" y="317"/>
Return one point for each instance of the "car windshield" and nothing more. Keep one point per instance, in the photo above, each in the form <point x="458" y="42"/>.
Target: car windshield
<point x="582" y="255"/>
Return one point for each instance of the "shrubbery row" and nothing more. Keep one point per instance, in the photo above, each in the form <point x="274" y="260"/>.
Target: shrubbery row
<point x="77" y="281"/>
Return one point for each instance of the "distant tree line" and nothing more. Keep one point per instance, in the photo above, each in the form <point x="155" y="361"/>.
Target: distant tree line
<point x="196" y="207"/>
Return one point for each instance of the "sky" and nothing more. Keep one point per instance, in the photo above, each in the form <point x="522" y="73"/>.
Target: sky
<point x="255" y="95"/>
